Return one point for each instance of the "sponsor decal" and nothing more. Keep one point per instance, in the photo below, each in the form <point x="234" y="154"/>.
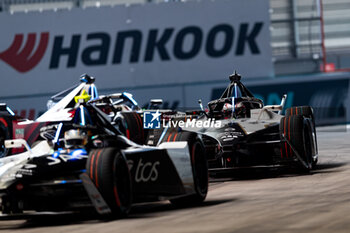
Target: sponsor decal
<point x="151" y="119"/>
<point x="19" y="133"/>
<point x="157" y="44"/>
<point x="192" y="123"/>
<point x="26" y="58"/>
<point x="26" y="172"/>
<point x="58" y="157"/>
<point x="164" y="44"/>
<point x="146" y="171"/>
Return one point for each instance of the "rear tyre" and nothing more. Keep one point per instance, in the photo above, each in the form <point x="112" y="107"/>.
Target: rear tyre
<point x="131" y="125"/>
<point x="297" y="131"/>
<point x="305" y="111"/>
<point x="308" y="112"/>
<point x="199" y="170"/>
<point x="108" y="170"/>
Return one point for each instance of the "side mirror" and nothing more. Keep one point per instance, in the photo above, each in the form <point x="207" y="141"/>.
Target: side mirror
<point x="283" y="102"/>
<point x="17" y="143"/>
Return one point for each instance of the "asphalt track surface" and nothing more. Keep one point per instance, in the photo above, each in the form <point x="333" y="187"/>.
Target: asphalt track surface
<point x="249" y="201"/>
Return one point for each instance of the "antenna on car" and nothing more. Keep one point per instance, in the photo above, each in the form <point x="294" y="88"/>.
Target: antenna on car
<point x="235" y="77"/>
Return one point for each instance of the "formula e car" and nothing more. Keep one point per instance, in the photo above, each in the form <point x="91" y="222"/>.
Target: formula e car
<point x="16" y="127"/>
<point x="59" y="109"/>
<point x="84" y="161"/>
<point x="245" y="133"/>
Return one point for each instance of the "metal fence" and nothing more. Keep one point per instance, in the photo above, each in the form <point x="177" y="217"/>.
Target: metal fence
<point x="313" y="33"/>
<point x="13" y="6"/>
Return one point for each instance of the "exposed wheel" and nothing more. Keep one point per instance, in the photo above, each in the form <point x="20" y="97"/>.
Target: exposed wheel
<point x="131" y="125"/>
<point x="298" y="132"/>
<point x="4" y="135"/>
<point x="109" y="171"/>
<point x="308" y="112"/>
<point x="305" y="111"/>
<point x="199" y="169"/>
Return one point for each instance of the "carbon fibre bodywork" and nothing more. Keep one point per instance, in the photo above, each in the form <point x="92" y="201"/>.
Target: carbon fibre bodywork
<point x="249" y="134"/>
<point x="51" y="182"/>
<point x="55" y="176"/>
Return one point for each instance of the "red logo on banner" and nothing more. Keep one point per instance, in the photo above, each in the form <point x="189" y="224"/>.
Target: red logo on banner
<point x="26" y="59"/>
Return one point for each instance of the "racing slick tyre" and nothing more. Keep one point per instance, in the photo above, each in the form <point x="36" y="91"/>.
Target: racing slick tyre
<point x="4" y="135"/>
<point x="199" y="168"/>
<point x="297" y="130"/>
<point x="108" y="170"/>
<point x="131" y="125"/>
<point x="306" y="111"/>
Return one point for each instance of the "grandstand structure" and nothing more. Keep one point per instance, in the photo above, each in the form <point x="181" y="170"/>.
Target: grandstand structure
<point x="307" y="36"/>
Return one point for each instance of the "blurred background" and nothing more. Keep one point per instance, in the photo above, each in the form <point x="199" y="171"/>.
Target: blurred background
<point x="180" y="51"/>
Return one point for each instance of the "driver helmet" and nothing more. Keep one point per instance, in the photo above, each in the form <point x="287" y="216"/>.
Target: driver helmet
<point x="227" y="107"/>
<point x="75" y="138"/>
<point x="227" y="110"/>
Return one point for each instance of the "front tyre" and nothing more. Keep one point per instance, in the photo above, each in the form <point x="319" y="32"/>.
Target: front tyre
<point x="199" y="170"/>
<point x="131" y="125"/>
<point x="297" y="130"/>
<point x="306" y="112"/>
<point x="108" y="170"/>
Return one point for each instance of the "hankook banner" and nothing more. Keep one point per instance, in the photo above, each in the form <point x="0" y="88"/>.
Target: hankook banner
<point x="134" y="46"/>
